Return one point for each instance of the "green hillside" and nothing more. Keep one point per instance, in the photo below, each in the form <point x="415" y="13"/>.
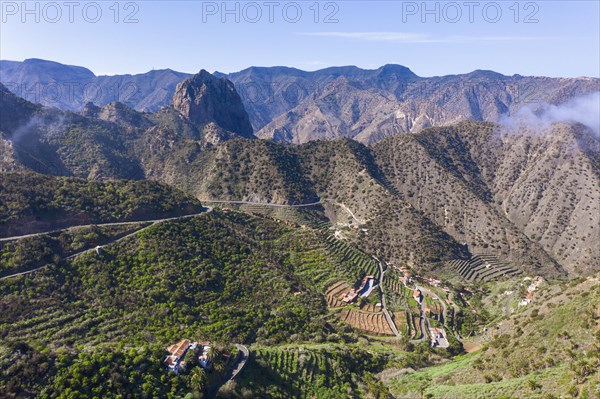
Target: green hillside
<point x="222" y="277"/>
<point x="31" y="202"/>
<point x="550" y="349"/>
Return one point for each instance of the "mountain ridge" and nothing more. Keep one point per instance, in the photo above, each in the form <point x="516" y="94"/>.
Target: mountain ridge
<point x="292" y="105"/>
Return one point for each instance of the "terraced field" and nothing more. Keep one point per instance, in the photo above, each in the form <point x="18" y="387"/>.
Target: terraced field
<point x="416" y="325"/>
<point x="483" y="268"/>
<point x="351" y="260"/>
<point x="59" y="325"/>
<point x="328" y="372"/>
<point x="372" y="323"/>
<point x="401" y="322"/>
<point x="357" y="263"/>
<point x="298" y="368"/>
<point x="369" y="318"/>
<point x="335" y="293"/>
<point x="368" y="307"/>
<point x="392" y="283"/>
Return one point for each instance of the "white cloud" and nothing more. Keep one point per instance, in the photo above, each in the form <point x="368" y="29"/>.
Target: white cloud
<point x="413" y="37"/>
<point x="583" y="109"/>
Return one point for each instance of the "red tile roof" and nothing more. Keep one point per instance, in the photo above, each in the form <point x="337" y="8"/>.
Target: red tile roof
<point x="179" y="348"/>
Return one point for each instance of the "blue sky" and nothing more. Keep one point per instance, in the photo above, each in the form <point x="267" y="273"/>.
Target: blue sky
<point x="548" y="38"/>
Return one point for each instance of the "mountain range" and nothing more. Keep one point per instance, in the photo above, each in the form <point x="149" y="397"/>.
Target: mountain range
<point x="527" y="196"/>
<point x="243" y="212"/>
<point x="291" y="105"/>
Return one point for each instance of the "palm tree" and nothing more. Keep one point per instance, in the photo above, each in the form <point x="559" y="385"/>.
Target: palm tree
<point x="199" y="379"/>
<point x="215" y="357"/>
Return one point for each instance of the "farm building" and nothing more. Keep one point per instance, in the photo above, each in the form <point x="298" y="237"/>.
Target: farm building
<point x="417" y="295"/>
<point x="363" y="291"/>
<point x="177" y="351"/>
<point x="203" y="358"/>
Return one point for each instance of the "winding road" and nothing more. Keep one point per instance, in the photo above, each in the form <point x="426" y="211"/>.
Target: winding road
<point x="237" y="369"/>
<point x="344" y="207"/>
<point x="82" y="226"/>
<point x="153" y="222"/>
<point x="242" y="362"/>
<point x="262" y="203"/>
<point x="387" y="315"/>
<point x="424" y="320"/>
<point x="432" y="295"/>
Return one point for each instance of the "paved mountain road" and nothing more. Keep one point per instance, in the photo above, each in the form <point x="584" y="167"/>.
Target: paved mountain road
<point x="237" y="369"/>
<point x="245" y="355"/>
<point x="207" y="209"/>
<point x="152" y="222"/>
<point x="261" y="203"/>
<point x="387" y="315"/>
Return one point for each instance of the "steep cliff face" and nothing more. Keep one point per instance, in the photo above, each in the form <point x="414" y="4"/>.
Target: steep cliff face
<point x="205" y="99"/>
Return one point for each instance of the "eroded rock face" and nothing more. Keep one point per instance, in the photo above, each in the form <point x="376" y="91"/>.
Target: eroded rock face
<point x="203" y="99"/>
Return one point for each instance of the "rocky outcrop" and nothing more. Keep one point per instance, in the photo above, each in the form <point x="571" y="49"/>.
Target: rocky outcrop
<point x="90" y="110"/>
<point x="205" y="99"/>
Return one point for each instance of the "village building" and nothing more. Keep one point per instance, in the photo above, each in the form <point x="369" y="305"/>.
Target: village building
<point x="417" y="296"/>
<point x="350" y="296"/>
<point x="365" y="289"/>
<point x="174" y="361"/>
<point x="203" y="359"/>
<point x="527" y="299"/>
<point x="434" y="282"/>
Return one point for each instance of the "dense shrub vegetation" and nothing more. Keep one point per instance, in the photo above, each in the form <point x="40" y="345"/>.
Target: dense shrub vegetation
<point x="226" y="277"/>
<point x="31" y="202"/>
<point x="31" y="252"/>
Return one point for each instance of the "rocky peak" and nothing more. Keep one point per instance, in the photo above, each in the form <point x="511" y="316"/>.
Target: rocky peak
<point x="90" y="110"/>
<point x="204" y="98"/>
<point x="398" y="71"/>
<point x="123" y="116"/>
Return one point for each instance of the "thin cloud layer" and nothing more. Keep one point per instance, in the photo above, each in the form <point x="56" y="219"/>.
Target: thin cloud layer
<point x="413" y="37"/>
<point x="583" y="109"/>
